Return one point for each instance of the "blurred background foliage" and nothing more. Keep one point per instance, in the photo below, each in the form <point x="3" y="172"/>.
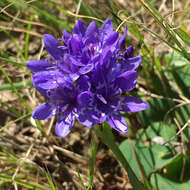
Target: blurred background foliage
<point x="157" y="144"/>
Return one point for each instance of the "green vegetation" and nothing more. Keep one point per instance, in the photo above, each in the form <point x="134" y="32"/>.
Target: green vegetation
<point x="157" y="144"/>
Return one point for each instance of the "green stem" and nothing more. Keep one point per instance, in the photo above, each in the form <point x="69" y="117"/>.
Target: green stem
<point x="107" y="138"/>
<point x="17" y="85"/>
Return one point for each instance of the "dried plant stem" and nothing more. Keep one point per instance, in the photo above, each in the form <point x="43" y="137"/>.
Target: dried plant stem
<point x="23" y="21"/>
<point x="20" y="30"/>
<point x="71" y="155"/>
<point x="173" y="108"/>
<point x="183" y="128"/>
<point x="9" y="5"/>
<point x="83" y="16"/>
<point x="160" y="97"/>
<point x="183" y="151"/>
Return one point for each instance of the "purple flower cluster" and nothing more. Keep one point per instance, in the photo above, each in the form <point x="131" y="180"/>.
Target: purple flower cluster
<point x="86" y="78"/>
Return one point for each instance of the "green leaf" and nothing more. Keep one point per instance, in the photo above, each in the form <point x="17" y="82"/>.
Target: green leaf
<point x="156" y="106"/>
<point x="175" y="59"/>
<point x="20" y="182"/>
<point x="172" y="179"/>
<point x="156" y="129"/>
<point x="174" y="169"/>
<point x="108" y="139"/>
<point x="160" y="182"/>
<point x="150" y="157"/>
<point x="184" y="36"/>
<point x="181" y="76"/>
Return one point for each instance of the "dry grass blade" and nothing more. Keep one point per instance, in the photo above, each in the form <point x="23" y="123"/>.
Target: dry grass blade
<point x="33" y="33"/>
<point x="181" y="130"/>
<point x="24" y="21"/>
<point x="83" y="16"/>
<point x="72" y="155"/>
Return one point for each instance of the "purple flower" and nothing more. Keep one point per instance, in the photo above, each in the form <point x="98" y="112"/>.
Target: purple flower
<point x="86" y="78"/>
<point x="110" y="80"/>
<point x="63" y="101"/>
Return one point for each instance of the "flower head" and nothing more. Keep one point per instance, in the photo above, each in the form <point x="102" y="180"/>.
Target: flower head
<point x="86" y="77"/>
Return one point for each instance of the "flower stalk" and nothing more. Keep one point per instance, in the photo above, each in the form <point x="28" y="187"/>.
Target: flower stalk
<point x="107" y="138"/>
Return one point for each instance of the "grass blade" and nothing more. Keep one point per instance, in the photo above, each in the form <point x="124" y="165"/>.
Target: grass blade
<point x="15" y="43"/>
<point x="7" y="60"/>
<point x="167" y="27"/>
<point x="81" y="180"/>
<point x="15" y="90"/>
<point x="16" y="120"/>
<point x="52" y="186"/>
<point x="20" y="98"/>
<point x="92" y="159"/>
<point x="20" y="182"/>
<point x="17" y="85"/>
<point x="27" y="38"/>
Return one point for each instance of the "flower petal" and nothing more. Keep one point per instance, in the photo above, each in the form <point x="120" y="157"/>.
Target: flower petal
<point x="131" y="63"/>
<point x="42" y="91"/>
<point x="66" y="37"/>
<point x="63" y="94"/>
<point x="79" y="28"/>
<point x="83" y="84"/>
<point x="101" y="98"/>
<point x="112" y="39"/>
<point x="44" y="111"/>
<point x="106" y="29"/>
<point x="74" y="76"/>
<point x="86" y="69"/>
<point x="85" y="99"/>
<point x="85" y="117"/>
<point x="74" y="61"/>
<point x="117" y="122"/>
<point x="98" y="112"/>
<point x="132" y="104"/>
<point x="66" y="65"/>
<point x="76" y="44"/>
<point x="91" y="29"/>
<point x="64" y="124"/>
<point x="129" y="52"/>
<point x="39" y="65"/>
<point x="92" y="33"/>
<point x="45" y="80"/>
<point x="122" y="40"/>
<point x="49" y="79"/>
<point x="127" y="80"/>
<point x="52" y="45"/>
